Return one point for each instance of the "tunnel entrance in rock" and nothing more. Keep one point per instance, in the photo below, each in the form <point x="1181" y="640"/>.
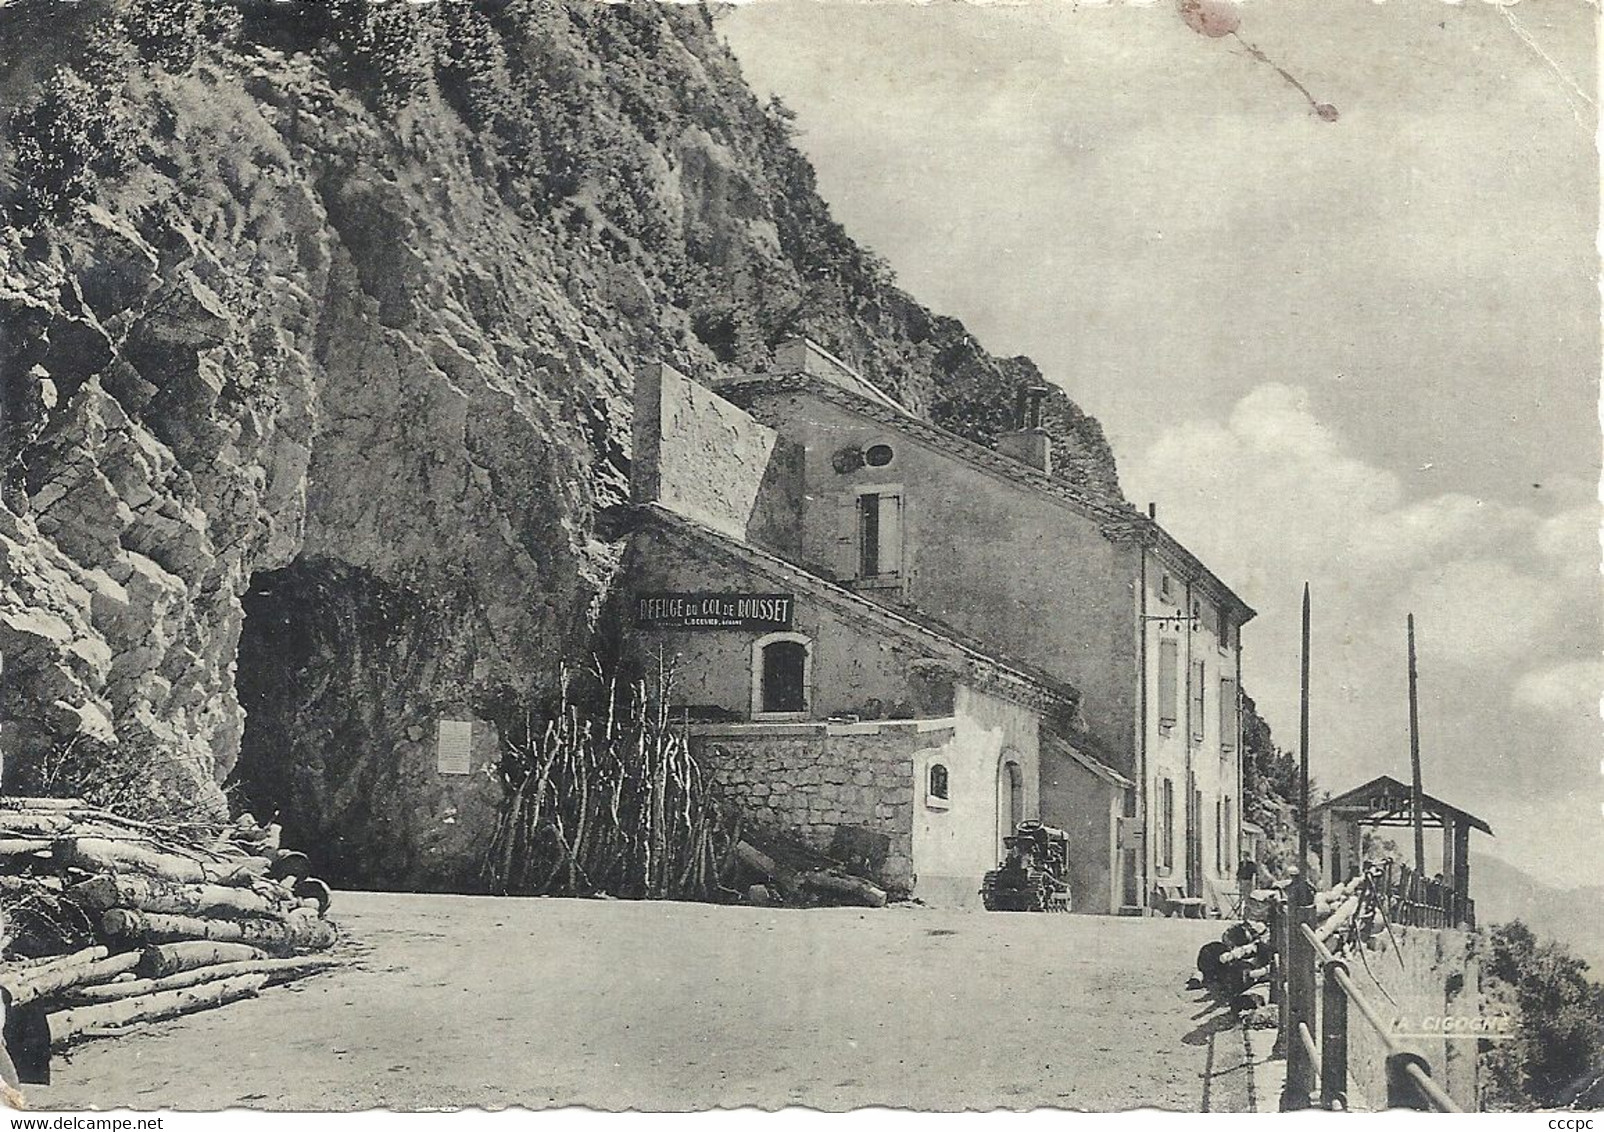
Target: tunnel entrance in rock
<point x="307" y="749"/>
<point x="344" y="677"/>
<point x="278" y="641"/>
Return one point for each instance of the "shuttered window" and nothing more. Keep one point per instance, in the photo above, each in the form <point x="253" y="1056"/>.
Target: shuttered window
<point x="1198" y="699"/>
<point x="1228" y="714"/>
<point x="1219" y="834"/>
<point x="879" y="534"/>
<point x="1168" y="663"/>
<point x="1166" y="835"/>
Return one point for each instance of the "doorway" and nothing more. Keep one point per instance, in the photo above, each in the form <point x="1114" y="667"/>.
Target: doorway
<point x="1194" y="841"/>
<point x="1010" y="798"/>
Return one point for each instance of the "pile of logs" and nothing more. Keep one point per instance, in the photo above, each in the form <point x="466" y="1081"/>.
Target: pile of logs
<point x="1237" y="966"/>
<point x="787" y="875"/>
<point x="114" y="921"/>
<point x="98" y="993"/>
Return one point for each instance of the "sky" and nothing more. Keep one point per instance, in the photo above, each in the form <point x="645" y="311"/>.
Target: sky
<point x="1358" y="348"/>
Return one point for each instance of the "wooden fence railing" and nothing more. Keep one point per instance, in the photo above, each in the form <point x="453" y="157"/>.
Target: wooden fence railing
<point x="1422" y="902"/>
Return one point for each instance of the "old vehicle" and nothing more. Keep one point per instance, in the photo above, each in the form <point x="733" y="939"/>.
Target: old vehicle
<point x="1034" y="876"/>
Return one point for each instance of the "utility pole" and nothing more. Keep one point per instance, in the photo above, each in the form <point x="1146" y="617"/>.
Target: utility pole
<point x="1303" y="744"/>
<point x="1414" y="758"/>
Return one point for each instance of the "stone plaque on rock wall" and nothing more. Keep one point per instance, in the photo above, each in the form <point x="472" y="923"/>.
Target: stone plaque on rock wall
<point x="455" y="752"/>
<point x="714" y="611"/>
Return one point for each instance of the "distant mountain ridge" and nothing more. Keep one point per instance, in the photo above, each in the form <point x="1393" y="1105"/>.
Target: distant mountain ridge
<point x="1573" y="916"/>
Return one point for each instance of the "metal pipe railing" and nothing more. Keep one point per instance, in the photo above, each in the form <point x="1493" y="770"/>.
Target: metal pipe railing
<point x="1306" y="972"/>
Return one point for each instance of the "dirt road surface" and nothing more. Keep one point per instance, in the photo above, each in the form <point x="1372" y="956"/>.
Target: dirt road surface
<point x="466" y="1001"/>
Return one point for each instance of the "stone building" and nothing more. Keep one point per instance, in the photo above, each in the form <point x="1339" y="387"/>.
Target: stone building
<point x="883" y="627"/>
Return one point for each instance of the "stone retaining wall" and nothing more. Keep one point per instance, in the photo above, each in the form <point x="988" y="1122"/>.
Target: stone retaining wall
<point x="811" y="782"/>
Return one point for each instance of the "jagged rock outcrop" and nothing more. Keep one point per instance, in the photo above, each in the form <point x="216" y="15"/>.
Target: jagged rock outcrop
<point x="313" y="396"/>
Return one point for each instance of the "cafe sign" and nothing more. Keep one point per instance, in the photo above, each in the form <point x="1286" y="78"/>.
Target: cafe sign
<point x="714" y="611"/>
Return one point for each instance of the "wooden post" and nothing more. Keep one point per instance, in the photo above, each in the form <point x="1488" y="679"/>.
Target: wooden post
<point x="1333" y="1039"/>
<point x="1298" y="1091"/>
<point x="1462" y="871"/>
<point x="1414" y="757"/>
<point x="1303" y="744"/>
<point x="1329" y="863"/>
<point x="1280" y="965"/>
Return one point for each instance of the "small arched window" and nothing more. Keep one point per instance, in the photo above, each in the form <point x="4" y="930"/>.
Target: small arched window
<point x="780" y="674"/>
<point x="938" y="781"/>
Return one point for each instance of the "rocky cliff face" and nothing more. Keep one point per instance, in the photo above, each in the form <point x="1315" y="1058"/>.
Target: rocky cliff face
<point x="317" y="326"/>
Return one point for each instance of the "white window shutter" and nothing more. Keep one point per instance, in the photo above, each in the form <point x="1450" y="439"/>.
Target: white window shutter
<point x="1168" y="658"/>
<point x="1199" y="699"/>
<point x="891" y="534"/>
<point x="843" y="550"/>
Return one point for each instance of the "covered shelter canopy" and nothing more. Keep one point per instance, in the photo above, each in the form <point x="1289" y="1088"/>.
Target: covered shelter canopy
<point x="1386" y="802"/>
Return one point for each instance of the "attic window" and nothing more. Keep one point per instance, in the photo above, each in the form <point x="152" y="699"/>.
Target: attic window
<point x="878" y="455"/>
<point x="1166" y="588"/>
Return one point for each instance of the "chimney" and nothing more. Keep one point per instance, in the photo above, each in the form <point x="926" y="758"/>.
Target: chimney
<point x="1152" y="510"/>
<point x="803" y="355"/>
<point x="1029" y="442"/>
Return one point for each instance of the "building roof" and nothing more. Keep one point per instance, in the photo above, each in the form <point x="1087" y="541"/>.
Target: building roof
<point x="1010" y="679"/>
<point x="1060" y="745"/>
<point x="1117" y="520"/>
<point x="1384" y="797"/>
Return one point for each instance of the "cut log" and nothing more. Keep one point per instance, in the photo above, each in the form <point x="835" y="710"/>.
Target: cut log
<point x="297" y="930"/>
<point x="34" y="825"/>
<point x="16" y="802"/>
<point x="310" y="888"/>
<point x="850" y="889"/>
<point x="1338" y="919"/>
<point x="170" y="958"/>
<point x="35" y="964"/>
<point x="101" y="855"/>
<point x="1254" y="953"/>
<point x="289" y="863"/>
<point x="47" y="981"/>
<point x="30" y="885"/>
<point x="152" y="894"/>
<point x="260" y="839"/>
<point x="276" y="970"/>
<point x="764" y="865"/>
<point x="18" y="846"/>
<point x="1330" y="898"/>
<point x="68" y="1024"/>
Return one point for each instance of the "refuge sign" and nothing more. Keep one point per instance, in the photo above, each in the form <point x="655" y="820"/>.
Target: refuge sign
<point x="714" y="611"/>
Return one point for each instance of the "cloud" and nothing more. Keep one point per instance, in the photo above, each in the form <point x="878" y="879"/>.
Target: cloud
<point x="1475" y="613"/>
<point x="1571" y="539"/>
<point x="1572" y="688"/>
<point x="1505" y="598"/>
